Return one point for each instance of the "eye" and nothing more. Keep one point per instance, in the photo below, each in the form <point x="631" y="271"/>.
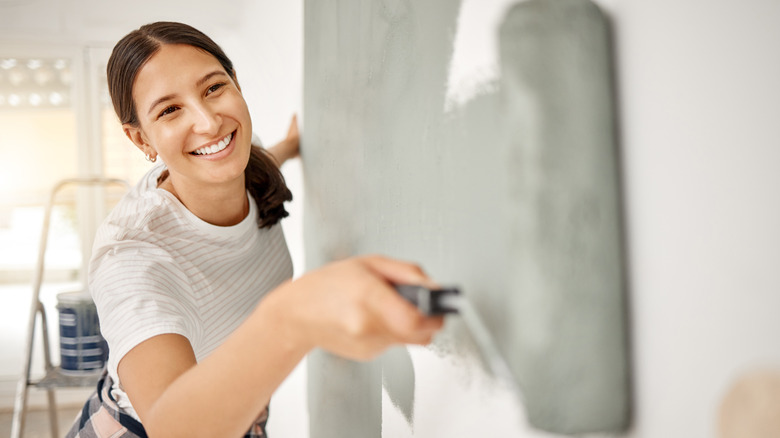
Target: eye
<point x="215" y="87"/>
<point x="167" y="111"/>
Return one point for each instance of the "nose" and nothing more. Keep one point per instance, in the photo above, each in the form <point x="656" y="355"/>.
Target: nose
<point x="205" y="120"/>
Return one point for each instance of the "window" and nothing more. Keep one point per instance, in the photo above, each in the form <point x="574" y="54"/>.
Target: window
<point x="56" y="122"/>
<point x="39" y="143"/>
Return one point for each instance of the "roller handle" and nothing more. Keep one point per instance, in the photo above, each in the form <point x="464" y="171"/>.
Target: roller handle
<point x="429" y="301"/>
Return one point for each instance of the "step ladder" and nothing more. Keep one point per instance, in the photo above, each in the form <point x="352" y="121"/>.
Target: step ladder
<point x="54" y="378"/>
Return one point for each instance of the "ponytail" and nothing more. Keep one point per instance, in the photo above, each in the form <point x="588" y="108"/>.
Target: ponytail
<point x="266" y="185"/>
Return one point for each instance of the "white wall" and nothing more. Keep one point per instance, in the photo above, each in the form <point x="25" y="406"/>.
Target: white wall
<point x="699" y="115"/>
<point x="699" y="93"/>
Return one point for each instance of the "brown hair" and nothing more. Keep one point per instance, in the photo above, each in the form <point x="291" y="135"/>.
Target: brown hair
<point x="263" y="179"/>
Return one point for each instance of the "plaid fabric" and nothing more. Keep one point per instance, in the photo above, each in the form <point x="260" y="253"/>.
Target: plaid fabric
<point x="102" y="418"/>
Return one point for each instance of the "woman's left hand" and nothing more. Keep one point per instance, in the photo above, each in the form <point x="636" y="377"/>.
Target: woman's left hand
<point x="289" y="147"/>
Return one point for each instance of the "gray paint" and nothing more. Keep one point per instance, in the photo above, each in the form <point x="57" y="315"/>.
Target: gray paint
<point x="398" y="381"/>
<point x="513" y="197"/>
<point x="564" y="226"/>
<point x="344" y="397"/>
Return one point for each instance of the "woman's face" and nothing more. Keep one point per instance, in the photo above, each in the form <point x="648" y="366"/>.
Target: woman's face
<point x="193" y="116"/>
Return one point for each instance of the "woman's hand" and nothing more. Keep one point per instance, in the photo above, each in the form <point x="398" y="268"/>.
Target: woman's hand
<point x="288" y="148"/>
<point x="351" y="309"/>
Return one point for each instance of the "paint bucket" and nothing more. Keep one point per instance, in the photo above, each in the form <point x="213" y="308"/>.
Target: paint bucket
<point x="82" y="347"/>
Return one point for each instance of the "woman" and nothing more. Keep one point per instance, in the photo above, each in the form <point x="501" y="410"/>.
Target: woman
<point x="181" y="264"/>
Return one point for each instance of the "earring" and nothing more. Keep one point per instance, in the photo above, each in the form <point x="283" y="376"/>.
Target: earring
<point x="150" y="158"/>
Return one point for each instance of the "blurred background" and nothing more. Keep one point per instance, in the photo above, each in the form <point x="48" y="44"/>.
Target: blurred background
<point x="56" y="121"/>
<point x="698" y="109"/>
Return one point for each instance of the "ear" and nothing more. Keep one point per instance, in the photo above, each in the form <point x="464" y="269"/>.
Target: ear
<point x="136" y="135"/>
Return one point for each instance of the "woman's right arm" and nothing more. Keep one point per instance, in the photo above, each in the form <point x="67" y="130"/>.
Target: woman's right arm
<point x="348" y="308"/>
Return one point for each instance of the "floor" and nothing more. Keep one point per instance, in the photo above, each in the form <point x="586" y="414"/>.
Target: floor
<point x="37" y="424"/>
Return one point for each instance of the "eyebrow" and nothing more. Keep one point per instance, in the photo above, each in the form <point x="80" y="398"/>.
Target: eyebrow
<point x="200" y="82"/>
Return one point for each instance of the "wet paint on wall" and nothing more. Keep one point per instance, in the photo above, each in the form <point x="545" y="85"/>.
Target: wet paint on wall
<point x="510" y="191"/>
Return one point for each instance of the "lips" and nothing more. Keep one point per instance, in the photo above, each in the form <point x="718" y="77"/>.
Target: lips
<point x="214" y="148"/>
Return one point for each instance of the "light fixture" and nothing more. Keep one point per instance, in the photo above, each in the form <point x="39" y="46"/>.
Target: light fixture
<point x="27" y="83"/>
<point x="56" y="98"/>
<point x="7" y="63"/>
<point x="35" y="99"/>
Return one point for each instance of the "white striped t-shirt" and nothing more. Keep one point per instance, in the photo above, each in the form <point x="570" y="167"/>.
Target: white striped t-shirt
<point x="157" y="268"/>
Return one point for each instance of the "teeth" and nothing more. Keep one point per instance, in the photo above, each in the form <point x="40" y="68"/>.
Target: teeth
<point x="216" y="147"/>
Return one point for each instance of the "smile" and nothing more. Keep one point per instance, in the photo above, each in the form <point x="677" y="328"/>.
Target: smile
<point x="214" y="148"/>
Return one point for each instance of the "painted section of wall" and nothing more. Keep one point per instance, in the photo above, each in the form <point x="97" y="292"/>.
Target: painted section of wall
<point x="509" y="191"/>
<point x="566" y="320"/>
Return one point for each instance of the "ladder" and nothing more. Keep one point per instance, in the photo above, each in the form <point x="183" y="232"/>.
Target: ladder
<point x="54" y="377"/>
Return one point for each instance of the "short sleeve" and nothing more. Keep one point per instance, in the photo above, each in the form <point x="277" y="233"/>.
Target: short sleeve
<point x="140" y="292"/>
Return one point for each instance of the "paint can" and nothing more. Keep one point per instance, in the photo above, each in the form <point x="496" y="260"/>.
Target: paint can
<point x="82" y="348"/>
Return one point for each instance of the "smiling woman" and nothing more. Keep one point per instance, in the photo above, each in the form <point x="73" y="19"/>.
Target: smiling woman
<point x="190" y="272"/>
<point x="205" y="95"/>
<point x="186" y="110"/>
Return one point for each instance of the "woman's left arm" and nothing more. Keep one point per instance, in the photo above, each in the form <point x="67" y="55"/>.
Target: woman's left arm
<point x="289" y="147"/>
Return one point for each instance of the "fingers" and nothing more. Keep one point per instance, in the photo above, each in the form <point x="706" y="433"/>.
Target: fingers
<point x="352" y="309"/>
<point x="293" y="130"/>
<point x="398" y="272"/>
<point x="292" y="142"/>
<point x="404" y="321"/>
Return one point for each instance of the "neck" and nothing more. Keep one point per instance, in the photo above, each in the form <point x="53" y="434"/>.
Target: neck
<point x="223" y="205"/>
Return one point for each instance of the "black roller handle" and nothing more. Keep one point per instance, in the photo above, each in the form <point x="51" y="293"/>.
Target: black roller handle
<point x="429" y="301"/>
